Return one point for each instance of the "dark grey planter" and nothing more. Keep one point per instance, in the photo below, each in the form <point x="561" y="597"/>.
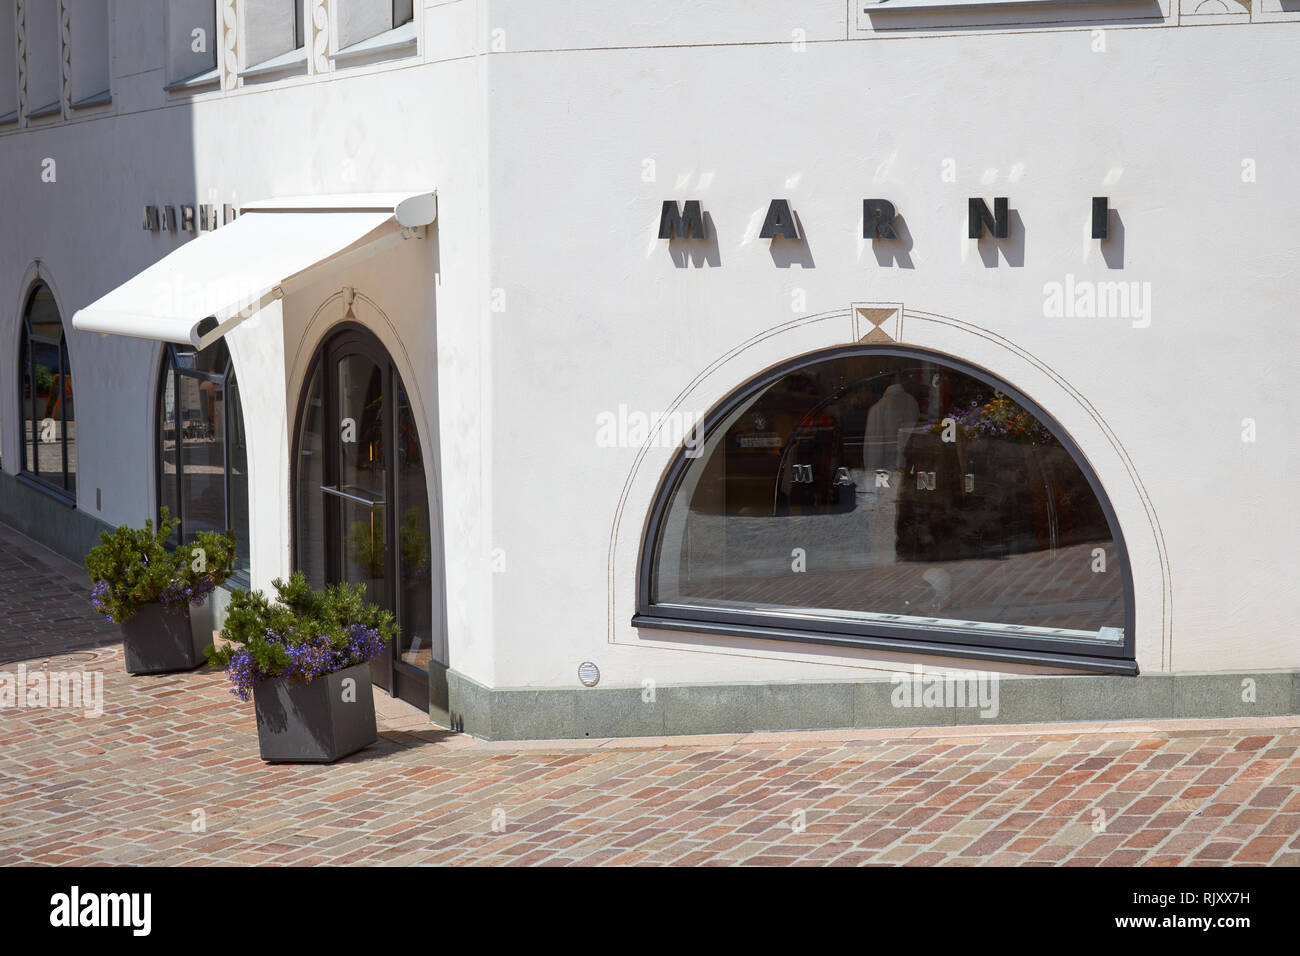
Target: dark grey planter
<point x="158" y="641"/>
<point x="312" y="723"/>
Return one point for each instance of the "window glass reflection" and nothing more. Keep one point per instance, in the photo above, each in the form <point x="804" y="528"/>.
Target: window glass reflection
<point x="169" y="452"/>
<point x="48" y="425"/>
<point x="202" y="447"/>
<point x="309" y="531"/>
<point x="237" y="469"/>
<point x="890" y="488"/>
<point x="415" y="602"/>
<point x="202" y="439"/>
<point x="362" y="484"/>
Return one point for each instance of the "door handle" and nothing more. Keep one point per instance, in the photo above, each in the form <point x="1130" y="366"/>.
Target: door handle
<point x="368" y="502"/>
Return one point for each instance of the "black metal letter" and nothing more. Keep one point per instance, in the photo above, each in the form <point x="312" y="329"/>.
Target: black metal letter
<point x="999" y="223"/>
<point x="150" y="218"/>
<point x="687" y="224"/>
<point x="779" y="223"/>
<point x="1100" y="217"/>
<point x="877" y="215"/>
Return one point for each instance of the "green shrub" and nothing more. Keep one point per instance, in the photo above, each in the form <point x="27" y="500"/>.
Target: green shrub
<point x="303" y="635"/>
<point x="132" y="567"/>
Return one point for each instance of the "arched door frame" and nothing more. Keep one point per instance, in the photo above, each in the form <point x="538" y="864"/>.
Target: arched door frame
<point x="340" y="341"/>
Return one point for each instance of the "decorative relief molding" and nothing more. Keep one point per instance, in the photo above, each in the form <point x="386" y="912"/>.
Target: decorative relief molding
<point x="320" y="38"/>
<point x="229" y="50"/>
<point x="65" y="57"/>
<point x="877" y="322"/>
<point x="1199" y="12"/>
<point x="20" y="27"/>
<point x="1274" y="11"/>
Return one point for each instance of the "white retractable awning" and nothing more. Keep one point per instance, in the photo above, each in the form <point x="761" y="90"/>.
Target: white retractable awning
<point x="273" y="247"/>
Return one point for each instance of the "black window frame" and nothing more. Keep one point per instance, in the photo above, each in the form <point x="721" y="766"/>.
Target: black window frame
<point x="27" y="373"/>
<point x="239" y="577"/>
<point x="1003" y="647"/>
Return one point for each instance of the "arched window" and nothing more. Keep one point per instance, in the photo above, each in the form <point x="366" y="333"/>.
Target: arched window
<point x="203" y="447"/>
<point x="49" y="432"/>
<point x="896" y="499"/>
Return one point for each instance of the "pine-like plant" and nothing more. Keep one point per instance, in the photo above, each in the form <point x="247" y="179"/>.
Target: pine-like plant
<point x="132" y="567"/>
<point x="304" y="634"/>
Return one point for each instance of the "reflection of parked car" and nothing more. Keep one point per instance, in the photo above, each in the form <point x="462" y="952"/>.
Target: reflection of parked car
<point x="195" y="428"/>
<point x="198" y="430"/>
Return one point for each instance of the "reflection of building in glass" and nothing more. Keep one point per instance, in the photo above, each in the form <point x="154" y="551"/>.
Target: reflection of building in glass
<point x="202" y="451"/>
<point x="883" y="488"/>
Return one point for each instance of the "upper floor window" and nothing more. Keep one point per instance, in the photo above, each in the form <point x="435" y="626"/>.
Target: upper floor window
<point x="44" y="50"/>
<point x="88" y="58"/>
<point x="880" y="16"/>
<point x="191" y="43"/>
<point x="48" y="430"/>
<point x="202" y="446"/>
<point x="889" y="497"/>
<point x="374" y="26"/>
<point x="273" y="37"/>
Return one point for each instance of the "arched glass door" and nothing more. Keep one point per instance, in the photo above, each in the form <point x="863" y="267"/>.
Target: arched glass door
<point x="361" y="500"/>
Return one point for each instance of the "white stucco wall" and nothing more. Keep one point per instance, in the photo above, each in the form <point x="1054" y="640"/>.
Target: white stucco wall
<point x="553" y="132"/>
<point x="599" y="315"/>
<point x="404" y="124"/>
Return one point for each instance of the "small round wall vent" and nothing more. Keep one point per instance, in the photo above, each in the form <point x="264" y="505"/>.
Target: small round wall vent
<point x="589" y="674"/>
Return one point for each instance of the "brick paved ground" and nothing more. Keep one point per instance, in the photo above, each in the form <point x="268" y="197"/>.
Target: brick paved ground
<point x="123" y="787"/>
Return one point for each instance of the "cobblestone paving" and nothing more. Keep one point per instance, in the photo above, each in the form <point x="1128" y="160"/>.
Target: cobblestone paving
<point x="124" y="787"/>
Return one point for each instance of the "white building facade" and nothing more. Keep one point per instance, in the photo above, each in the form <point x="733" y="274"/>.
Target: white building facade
<point x="741" y="356"/>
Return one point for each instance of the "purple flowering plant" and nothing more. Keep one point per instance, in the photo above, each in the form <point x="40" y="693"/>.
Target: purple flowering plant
<point x="134" y="567"/>
<point x="306" y="633"/>
<point x="999" y="417"/>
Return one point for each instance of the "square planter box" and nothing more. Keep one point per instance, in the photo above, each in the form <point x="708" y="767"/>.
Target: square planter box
<point x="313" y="723"/>
<point x="158" y="641"/>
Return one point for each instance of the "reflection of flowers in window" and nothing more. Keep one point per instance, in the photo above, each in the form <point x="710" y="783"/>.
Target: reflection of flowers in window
<point x="999" y="417"/>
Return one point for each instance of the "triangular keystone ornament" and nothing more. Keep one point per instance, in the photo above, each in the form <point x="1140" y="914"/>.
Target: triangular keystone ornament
<point x="877" y="317"/>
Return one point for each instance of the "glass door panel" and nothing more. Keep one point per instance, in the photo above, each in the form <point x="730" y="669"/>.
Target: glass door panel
<point x="309" y="531"/>
<point x="362" y="507"/>
<point x="414" y="552"/>
<point x="357" y="496"/>
<point x="203" y="455"/>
